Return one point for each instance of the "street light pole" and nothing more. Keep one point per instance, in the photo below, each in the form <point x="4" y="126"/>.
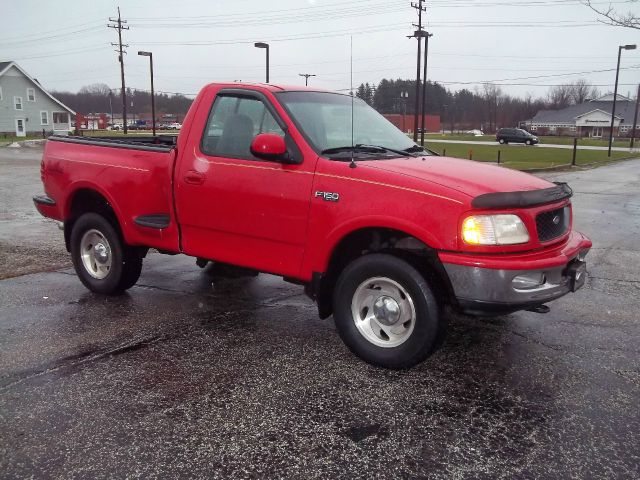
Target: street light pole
<point x="266" y="47"/>
<point x="404" y="96"/>
<point x="306" y="77"/>
<point x="615" y="93"/>
<point x="111" y="107"/>
<point x="153" y="101"/>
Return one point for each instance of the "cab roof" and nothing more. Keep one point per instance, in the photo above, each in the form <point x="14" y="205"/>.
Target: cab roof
<point x="271" y="87"/>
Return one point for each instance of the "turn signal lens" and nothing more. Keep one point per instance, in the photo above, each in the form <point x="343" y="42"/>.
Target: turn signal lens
<point x="478" y="230"/>
<point x="494" y="230"/>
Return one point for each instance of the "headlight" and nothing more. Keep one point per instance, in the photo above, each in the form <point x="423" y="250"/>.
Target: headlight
<point x="494" y="230"/>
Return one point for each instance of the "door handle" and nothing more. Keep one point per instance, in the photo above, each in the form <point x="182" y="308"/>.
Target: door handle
<point x="194" y="178"/>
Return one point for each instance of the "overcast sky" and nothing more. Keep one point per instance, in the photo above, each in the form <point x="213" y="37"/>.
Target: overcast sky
<point x="66" y="45"/>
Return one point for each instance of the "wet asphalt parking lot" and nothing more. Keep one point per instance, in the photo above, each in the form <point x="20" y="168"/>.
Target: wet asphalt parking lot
<point x="193" y="375"/>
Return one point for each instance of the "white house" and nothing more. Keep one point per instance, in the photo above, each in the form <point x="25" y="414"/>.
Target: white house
<point x="588" y="119"/>
<point x="26" y="107"/>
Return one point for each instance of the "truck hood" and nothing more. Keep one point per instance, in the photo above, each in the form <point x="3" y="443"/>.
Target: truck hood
<point x="465" y="176"/>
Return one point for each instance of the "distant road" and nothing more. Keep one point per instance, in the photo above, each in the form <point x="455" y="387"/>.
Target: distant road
<point x="540" y="145"/>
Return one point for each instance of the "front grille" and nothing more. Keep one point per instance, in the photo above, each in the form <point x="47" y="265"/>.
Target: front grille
<point x="552" y="224"/>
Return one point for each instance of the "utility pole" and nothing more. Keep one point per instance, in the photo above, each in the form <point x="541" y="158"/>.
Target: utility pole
<point x="119" y="25"/>
<point x="424" y="84"/>
<point x="635" y="119"/>
<point x="306" y="77"/>
<point x="418" y="34"/>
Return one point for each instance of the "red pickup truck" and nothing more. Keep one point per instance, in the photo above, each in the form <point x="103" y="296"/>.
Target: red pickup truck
<point x="319" y="188"/>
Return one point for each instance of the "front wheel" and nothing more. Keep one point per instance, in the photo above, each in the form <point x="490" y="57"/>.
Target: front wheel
<point x="386" y="312"/>
<point x="528" y="142"/>
<point x="103" y="263"/>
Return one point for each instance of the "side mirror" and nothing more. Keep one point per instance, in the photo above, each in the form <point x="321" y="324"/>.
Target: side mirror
<point x="269" y="146"/>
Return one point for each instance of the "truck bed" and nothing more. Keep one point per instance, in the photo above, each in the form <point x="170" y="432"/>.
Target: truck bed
<point x="133" y="175"/>
<point x="159" y="143"/>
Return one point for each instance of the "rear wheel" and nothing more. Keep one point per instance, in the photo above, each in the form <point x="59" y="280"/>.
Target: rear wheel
<point x="101" y="259"/>
<point x="386" y="312"/>
<point x="502" y="141"/>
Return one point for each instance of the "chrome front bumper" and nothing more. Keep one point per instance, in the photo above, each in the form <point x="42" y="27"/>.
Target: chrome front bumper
<point x="486" y="291"/>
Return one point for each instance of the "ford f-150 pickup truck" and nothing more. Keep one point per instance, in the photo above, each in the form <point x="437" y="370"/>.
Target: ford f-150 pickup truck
<point x="319" y="188"/>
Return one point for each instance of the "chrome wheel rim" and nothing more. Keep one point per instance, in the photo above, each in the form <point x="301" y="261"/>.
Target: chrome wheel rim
<point x="383" y="312"/>
<point x="96" y="255"/>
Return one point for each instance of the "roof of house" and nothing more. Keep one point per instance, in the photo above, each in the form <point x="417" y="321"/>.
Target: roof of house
<point x="624" y="110"/>
<point x="5" y="66"/>
<point x="608" y="97"/>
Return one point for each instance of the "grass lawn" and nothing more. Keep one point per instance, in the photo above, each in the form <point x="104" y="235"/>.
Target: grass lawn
<point x="592" y="142"/>
<point x="6" y="139"/>
<point x="525" y="158"/>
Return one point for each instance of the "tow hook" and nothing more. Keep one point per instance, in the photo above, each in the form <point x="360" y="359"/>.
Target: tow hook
<point x="539" y="309"/>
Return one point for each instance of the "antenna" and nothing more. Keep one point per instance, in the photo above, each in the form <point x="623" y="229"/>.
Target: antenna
<point x="353" y="163"/>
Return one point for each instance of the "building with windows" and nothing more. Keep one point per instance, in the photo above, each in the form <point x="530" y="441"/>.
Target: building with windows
<point x="27" y="108"/>
<point x="589" y="119"/>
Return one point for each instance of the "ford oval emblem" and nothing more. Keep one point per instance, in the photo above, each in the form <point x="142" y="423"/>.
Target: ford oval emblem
<point x="556" y="220"/>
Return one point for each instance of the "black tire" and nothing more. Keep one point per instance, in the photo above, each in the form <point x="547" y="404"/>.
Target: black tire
<point x="132" y="269"/>
<point x="528" y="142"/>
<point x="126" y="263"/>
<point x="426" y="333"/>
<point x="502" y="141"/>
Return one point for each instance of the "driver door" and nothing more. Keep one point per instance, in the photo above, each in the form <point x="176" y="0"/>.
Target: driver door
<point x="236" y="208"/>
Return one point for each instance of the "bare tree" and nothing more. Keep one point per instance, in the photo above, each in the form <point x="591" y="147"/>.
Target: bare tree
<point x="560" y="96"/>
<point x="580" y="91"/>
<point x="493" y="96"/>
<point x="610" y="16"/>
<point x="95" y="89"/>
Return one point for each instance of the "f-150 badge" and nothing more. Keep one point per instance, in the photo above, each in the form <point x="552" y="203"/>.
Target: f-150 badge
<point x="328" y="196"/>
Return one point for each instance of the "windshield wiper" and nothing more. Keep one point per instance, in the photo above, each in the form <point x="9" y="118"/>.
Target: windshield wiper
<point x="404" y="153"/>
<point x="414" y="148"/>
<point x="346" y="148"/>
<point x="364" y="148"/>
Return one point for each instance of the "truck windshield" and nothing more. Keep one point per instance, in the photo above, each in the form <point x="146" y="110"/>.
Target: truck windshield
<point x="325" y="120"/>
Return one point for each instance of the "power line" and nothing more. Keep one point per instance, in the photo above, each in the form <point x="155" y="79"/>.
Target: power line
<point x="554" y="75"/>
<point x="60" y="36"/>
<point x="266" y="13"/>
<point x="330" y="33"/>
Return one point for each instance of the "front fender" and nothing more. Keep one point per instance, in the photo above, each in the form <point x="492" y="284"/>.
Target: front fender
<point x="324" y="249"/>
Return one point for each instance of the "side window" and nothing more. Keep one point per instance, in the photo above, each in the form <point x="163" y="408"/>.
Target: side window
<point x="232" y="125"/>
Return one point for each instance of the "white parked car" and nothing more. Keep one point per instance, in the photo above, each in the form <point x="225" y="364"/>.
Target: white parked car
<point x="174" y="126"/>
<point x="475" y="132"/>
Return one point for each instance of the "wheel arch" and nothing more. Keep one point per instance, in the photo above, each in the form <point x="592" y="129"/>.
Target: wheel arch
<point x="373" y="239"/>
<point x="86" y="198"/>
